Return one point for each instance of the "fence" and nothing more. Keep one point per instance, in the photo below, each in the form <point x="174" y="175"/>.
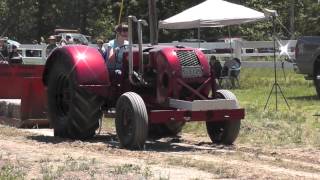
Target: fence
<point x="36" y="54"/>
<point x="242" y="49"/>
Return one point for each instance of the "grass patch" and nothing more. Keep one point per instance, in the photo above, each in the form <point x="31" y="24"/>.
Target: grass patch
<point x="11" y="172"/>
<point x="8" y="131"/>
<point x="286" y="127"/>
<point x="126" y="169"/>
<point x="222" y="171"/>
<point x="132" y="169"/>
<point x="51" y="171"/>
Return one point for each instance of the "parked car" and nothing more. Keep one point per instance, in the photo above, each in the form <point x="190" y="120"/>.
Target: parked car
<point x="307" y="59"/>
<point x="74" y="35"/>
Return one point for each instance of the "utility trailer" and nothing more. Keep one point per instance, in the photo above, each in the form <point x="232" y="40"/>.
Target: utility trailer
<point x="22" y="95"/>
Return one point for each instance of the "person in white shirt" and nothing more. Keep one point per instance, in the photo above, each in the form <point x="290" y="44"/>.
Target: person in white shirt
<point x="115" y="49"/>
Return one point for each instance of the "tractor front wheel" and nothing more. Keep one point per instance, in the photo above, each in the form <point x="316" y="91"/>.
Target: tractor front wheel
<point x="221" y="131"/>
<point x="131" y="121"/>
<point x="73" y="112"/>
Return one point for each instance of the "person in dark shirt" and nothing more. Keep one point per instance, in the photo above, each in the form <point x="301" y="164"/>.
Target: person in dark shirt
<point x="3" y="49"/>
<point x="101" y="49"/>
<point x="216" y="65"/>
<point x="14" y="56"/>
<point x="52" y="45"/>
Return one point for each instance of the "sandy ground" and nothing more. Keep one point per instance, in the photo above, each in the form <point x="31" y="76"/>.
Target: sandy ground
<point x="36" y="154"/>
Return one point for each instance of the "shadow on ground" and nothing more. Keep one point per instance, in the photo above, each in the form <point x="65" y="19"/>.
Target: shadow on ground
<point x="169" y="144"/>
<point x="314" y="97"/>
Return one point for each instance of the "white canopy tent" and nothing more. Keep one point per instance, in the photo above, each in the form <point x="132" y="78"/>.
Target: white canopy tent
<point x="212" y="13"/>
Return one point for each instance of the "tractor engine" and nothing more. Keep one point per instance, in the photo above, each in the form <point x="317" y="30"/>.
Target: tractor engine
<point x="178" y="71"/>
<point x="168" y="71"/>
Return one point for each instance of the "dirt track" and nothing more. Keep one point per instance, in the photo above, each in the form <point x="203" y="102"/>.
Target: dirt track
<point x="39" y="155"/>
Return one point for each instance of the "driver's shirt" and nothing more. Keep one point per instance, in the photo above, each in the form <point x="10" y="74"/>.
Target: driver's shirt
<point x="113" y="47"/>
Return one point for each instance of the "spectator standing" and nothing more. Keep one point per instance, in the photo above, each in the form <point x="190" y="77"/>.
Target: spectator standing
<point x="14" y="56"/>
<point x="216" y="65"/>
<point x="101" y="49"/>
<point x="52" y="45"/>
<point x="3" y="48"/>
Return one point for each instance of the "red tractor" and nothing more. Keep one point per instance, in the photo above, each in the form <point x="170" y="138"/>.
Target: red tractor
<point x="160" y="89"/>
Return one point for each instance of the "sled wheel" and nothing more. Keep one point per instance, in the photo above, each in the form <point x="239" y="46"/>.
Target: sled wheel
<point x="131" y="121"/>
<point x="73" y="112"/>
<point x="165" y="130"/>
<point x="224" y="132"/>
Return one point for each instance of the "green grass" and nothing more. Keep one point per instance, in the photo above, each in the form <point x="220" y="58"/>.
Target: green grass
<point x="11" y="172"/>
<point x="51" y="171"/>
<point x="127" y="169"/>
<point x="297" y="126"/>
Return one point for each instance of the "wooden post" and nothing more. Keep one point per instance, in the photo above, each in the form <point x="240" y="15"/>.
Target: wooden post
<point x="237" y="49"/>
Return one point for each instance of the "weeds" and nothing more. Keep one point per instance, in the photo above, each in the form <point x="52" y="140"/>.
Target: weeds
<point x="50" y="172"/>
<point x="211" y="167"/>
<point x="125" y="169"/>
<point x="132" y="169"/>
<point x="11" y="172"/>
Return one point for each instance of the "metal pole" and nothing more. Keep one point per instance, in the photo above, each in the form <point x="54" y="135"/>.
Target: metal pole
<point x="229" y="33"/>
<point x="153" y="22"/>
<point x="292" y="19"/>
<point x="275" y="84"/>
<point x="130" y="39"/>
<point x="199" y="36"/>
<point x="274" y="59"/>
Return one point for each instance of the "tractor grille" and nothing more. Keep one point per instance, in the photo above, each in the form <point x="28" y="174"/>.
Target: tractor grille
<point x="190" y="65"/>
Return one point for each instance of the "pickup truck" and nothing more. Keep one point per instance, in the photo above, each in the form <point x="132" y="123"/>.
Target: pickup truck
<point x="307" y="59"/>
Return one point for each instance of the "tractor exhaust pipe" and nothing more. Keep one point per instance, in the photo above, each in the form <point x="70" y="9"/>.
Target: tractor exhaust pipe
<point x="140" y="23"/>
<point x="139" y="75"/>
<point x="131" y="19"/>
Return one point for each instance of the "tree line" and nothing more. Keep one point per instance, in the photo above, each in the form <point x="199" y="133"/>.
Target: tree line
<point x="26" y="20"/>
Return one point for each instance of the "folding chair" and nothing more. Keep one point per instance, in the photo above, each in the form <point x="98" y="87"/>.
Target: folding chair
<point x="230" y="74"/>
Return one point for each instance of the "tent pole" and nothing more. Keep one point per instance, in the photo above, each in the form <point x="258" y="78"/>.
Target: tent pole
<point x="199" y="36"/>
<point x="231" y="52"/>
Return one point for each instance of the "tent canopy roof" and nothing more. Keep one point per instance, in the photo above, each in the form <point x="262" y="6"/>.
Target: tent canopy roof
<point x="212" y="13"/>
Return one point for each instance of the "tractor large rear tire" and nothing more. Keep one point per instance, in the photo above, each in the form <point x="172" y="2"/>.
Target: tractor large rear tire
<point x="73" y="112"/>
<point x="224" y="132"/>
<point x="131" y="121"/>
<point x="166" y="129"/>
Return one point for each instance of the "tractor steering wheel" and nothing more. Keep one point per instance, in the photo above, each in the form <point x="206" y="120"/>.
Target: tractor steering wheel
<point x="125" y="46"/>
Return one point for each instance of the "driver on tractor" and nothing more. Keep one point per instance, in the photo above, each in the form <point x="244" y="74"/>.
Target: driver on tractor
<point x="114" y="52"/>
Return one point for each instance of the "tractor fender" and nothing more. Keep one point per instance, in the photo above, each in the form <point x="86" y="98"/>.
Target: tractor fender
<point x="89" y="66"/>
